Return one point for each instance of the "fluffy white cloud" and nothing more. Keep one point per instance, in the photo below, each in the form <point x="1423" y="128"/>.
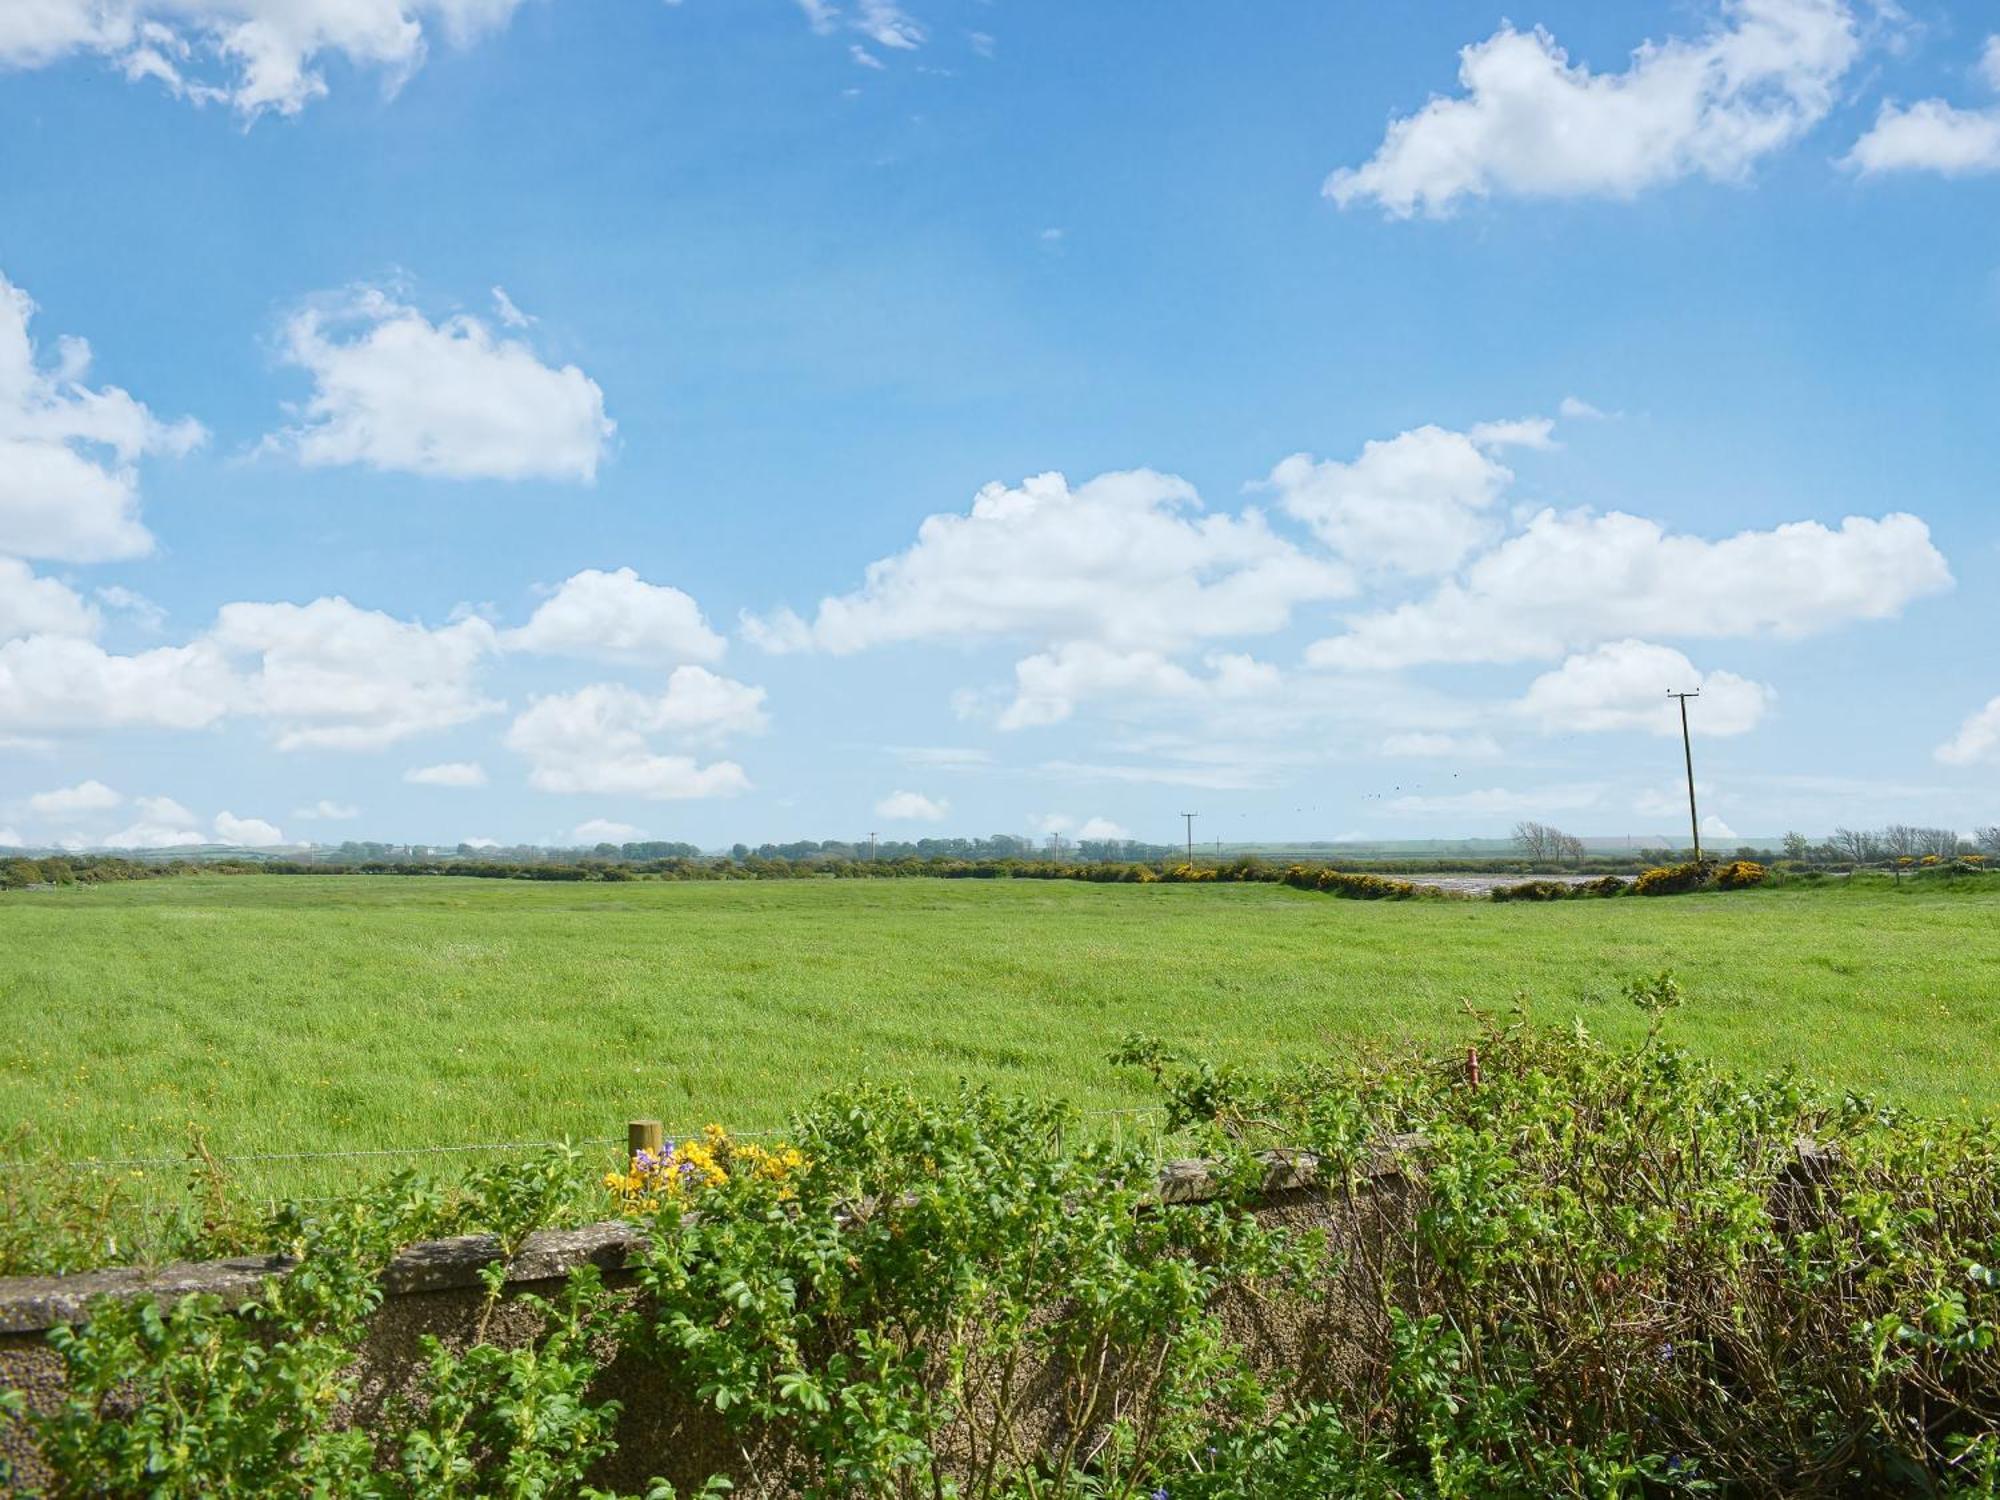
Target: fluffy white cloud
<point x="1050" y="684"/>
<point x="328" y="812"/>
<point x="1531" y="124"/>
<point x="255" y="55"/>
<point x="40" y="606"/>
<point x="394" y="391"/>
<point x="617" y="617"/>
<point x="1573" y="580"/>
<point x="1929" y="136"/>
<point x="1126" y="559"/>
<point x="598" y="739"/>
<point x="1977" y="740"/>
<point x="1623" y="686"/>
<point x="603" y="831"/>
<point x="912" y="807"/>
<point x="50" y="682"/>
<point x="1416" y="503"/>
<point x="1933" y="136"/>
<point x="251" y="833"/>
<point x="69" y="484"/>
<point x="1103" y="828"/>
<point x="73" y="801"/>
<point x="452" y="773"/>
<point x="334" y="676"/>
<point x="163" y="824"/>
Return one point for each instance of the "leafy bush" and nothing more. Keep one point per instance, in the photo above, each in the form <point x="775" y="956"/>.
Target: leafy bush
<point x="1623" y="1273"/>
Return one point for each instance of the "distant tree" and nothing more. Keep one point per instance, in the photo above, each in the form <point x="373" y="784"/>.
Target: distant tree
<point x="1545" y="844"/>
<point x="1857" y="845"/>
<point x="18" y="873"/>
<point x="1797" y="847"/>
<point x="1987" y="839"/>
<point x="1902" y="841"/>
<point x="1572" y="849"/>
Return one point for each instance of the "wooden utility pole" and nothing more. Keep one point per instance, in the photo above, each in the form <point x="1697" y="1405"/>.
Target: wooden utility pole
<point x="871" y="846"/>
<point x="1687" y="751"/>
<point x="1190" y="836"/>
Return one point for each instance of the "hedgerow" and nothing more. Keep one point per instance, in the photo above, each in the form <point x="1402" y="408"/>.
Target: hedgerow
<point x="1594" y="1270"/>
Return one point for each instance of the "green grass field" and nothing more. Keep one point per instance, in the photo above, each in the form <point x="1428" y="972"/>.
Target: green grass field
<point x="292" y="1013"/>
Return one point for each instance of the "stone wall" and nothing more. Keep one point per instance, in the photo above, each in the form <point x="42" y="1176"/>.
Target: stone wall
<point x="434" y="1288"/>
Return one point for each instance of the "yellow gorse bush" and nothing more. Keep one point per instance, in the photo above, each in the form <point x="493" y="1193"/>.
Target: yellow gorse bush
<point x="683" y="1169"/>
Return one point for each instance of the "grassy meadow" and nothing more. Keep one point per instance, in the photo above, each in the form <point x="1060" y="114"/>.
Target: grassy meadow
<point x="306" y="1013"/>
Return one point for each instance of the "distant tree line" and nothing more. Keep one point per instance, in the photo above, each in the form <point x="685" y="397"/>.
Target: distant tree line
<point x="1898" y="841"/>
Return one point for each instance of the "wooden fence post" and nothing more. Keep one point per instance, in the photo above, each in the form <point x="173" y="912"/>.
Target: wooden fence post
<point x="644" y="1135"/>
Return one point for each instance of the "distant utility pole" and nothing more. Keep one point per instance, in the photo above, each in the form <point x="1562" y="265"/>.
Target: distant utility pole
<point x="871" y="846"/>
<point x="1687" y="750"/>
<point x="1190" y="836"/>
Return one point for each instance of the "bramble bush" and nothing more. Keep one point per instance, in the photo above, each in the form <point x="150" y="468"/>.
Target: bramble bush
<point x="1598" y="1270"/>
<point x="1628" y="1272"/>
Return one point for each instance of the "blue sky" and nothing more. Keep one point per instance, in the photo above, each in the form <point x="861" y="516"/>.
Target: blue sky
<point x="1381" y="409"/>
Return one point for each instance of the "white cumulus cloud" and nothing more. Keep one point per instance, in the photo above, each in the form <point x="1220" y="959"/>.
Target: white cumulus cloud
<point x="1051" y="684"/>
<point x="1977" y="740"/>
<point x="912" y="807"/>
<point x="163" y="824"/>
<point x="251" y="833"/>
<point x="254" y="55"/>
<point x="617" y="616"/>
<point x="1103" y="828"/>
<point x="395" y="391"/>
<point x="1574" y="580"/>
<point x="60" y="683"/>
<point x="1529" y="123"/>
<point x="1416" y="503"/>
<point x="74" y="801"/>
<point x="69" y="453"/>
<point x="600" y="739"/>
<point x="334" y="676"/>
<point x="1128" y="559"/>
<point x="1933" y="136"/>
<point x="1622" y="685"/>
<point x="41" y="606"/>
